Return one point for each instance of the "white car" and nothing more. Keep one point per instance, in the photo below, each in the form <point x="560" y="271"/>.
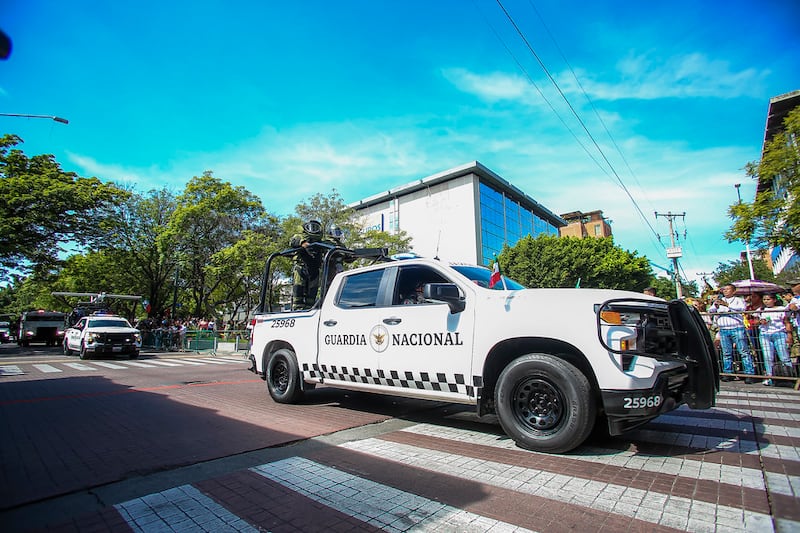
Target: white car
<point x="103" y="335"/>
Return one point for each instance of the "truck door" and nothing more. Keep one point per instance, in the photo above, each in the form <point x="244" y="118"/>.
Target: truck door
<point x="346" y="340"/>
<point x="427" y="347"/>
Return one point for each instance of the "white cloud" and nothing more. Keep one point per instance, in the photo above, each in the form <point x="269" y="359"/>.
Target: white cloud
<point x="637" y="76"/>
<point x="362" y="158"/>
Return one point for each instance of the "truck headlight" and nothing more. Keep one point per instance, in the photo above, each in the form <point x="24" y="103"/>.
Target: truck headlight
<point x="91" y="337"/>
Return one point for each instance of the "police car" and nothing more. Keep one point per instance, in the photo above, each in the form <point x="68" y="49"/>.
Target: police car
<point x="550" y="363"/>
<point x="102" y="334"/>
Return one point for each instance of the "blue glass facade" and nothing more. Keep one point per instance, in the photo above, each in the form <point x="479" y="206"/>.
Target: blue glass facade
<point x="504" y="220"/>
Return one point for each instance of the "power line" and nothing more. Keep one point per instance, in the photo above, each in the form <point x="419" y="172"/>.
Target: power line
<point x="575" y="114"/>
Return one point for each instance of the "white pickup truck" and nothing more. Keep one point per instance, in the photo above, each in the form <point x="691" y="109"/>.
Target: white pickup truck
<point x="102" y="334"/>
<point x="550" y="363"/>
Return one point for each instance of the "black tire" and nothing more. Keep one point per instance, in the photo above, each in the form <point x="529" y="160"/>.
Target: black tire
<point x="134" y="355"/>
<point x="283" y="377"/>
<point x="67" y="351"/>
<point x="83" y="354"/>
<point x="545" y="404"/>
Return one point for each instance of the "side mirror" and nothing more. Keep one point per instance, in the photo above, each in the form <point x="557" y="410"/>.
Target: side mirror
<point x="446" y="293"/>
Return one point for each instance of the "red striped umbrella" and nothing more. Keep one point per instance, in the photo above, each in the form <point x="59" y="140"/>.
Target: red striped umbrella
<point x="750" y="286"/>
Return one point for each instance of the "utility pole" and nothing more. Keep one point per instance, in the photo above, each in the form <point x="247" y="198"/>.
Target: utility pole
<point x="747" y="242"/>
<point x="674" y="252"/>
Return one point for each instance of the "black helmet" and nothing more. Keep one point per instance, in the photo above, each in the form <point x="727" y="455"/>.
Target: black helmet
<point x="335" y="232"/>
<point x="313" y="227"/>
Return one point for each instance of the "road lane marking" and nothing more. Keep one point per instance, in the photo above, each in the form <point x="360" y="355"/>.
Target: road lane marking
<point x="138" y="364"/>
<point x="163" y="363"/>
<point x="375" y="503"/>
<point x="110" y="365"/>
<point x="10" y="370"/>
<point x="204" y="361"/>
<point x="661" y="509"/>
<point x="181" y="508"/>
<point x="47" y="368"/>
<point x="81" y="367"/>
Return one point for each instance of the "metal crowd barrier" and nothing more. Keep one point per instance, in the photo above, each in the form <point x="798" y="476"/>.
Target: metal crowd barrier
<point x="753" y="338"/>
<point x="197" y="341"/>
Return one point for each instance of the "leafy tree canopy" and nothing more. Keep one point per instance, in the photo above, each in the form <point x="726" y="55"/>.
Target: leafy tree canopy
<point x="773" y="219"/>
<point x="42" y="208"/>
<point x="736" y="270"/>
<point x="550" y="261"/>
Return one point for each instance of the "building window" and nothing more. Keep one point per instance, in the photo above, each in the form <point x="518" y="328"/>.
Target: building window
<point x="506" y="221"/>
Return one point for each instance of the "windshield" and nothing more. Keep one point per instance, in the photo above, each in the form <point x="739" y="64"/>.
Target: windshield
<point x="109" y="323"/>
<point x="481" y="275"/>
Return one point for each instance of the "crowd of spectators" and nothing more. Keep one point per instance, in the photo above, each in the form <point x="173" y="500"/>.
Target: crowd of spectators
<point x="756" y="335"/>
<point x="166" y="334"/>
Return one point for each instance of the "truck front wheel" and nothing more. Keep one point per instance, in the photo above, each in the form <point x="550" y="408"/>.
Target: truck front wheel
<point x="545" y="404"/>
<point x="283" y="377"/>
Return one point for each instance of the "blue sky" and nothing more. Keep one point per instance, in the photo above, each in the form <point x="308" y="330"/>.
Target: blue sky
<point x="290" y="99"/>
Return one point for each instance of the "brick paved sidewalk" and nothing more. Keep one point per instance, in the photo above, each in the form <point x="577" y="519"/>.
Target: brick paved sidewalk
<point x="733" y="468"/>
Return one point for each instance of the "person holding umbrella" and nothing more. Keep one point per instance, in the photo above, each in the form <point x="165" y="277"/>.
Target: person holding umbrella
<point x="730" y="321"/>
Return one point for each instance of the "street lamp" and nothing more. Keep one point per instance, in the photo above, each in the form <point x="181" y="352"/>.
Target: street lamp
<point x="747" y="242"/>
<point x="51" y="117"/>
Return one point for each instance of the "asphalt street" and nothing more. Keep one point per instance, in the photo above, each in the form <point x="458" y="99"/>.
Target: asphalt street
<point x="346" y="462"/>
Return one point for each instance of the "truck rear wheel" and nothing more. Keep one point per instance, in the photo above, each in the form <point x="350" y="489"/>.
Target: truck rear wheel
<point x="545" y="404"/>
<point x="283" y="377"/>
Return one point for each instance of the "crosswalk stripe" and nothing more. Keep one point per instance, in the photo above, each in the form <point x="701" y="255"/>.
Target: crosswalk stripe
<point x="138" y="364"/>
<point x="110" y="365"/>
<point x="190" y="362"/>
<point x="47" y="368"/>
<point x="204" y="361"/>
<point x="80" y="366"/>
<point x="652" y="507"/>
<point x="381" y="505"/>
<point x="10" y="370"/>
<point x="181" y="508"/>
<point x="231" y="359"/>
<point x="163" y="363"/>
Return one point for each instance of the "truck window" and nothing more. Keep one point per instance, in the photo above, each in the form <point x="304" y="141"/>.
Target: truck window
<point x="360" y="290"/>
<point x="410" y="281"/>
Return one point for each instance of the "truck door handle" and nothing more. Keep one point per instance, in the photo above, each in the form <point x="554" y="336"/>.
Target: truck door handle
<point x="330" y="322"/>
<point x="392" y="321"/>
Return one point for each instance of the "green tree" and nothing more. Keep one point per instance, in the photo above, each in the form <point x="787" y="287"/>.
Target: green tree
<point x="210" y="216"/>
<point x="549" y="261"/>
<point x="102" y="271"/>
<point x="331" y="210"/>
<point x="736" y="270"/>
<point x="241" y="269"/>
<point x="44" y="209"/>
<point x="140" y="230"/>
<point x="665" y="287"/>
<point x="773" y="219"/>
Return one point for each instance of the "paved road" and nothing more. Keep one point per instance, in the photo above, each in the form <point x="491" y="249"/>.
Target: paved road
<point x="406" y="467"/>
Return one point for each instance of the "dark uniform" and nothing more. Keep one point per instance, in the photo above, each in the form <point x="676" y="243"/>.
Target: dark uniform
<point x="307" y="266"/>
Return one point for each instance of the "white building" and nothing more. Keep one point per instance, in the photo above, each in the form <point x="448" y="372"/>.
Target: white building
<point x="464" y="214"/>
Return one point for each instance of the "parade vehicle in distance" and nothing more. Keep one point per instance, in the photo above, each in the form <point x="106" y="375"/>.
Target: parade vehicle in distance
<point x="550" y="363"/>
<point x="102" y="334"/>
<point x="41" y="326"/>
<point x="5" y="331"/>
